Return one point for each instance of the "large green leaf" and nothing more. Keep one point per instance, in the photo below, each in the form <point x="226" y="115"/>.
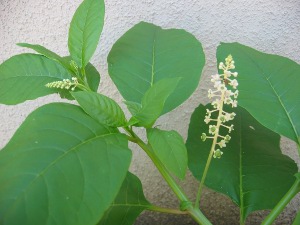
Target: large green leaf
<point x="61" y="167"/>
<point x="23" y="77"/>
<point x="170" y="149"/>
<point x="103" y="109"/>
<point x="269" y="88"/>
<point x="48" y="53"/>
<point x="128" y="205"/>
<point x="147" y="53"/>
<point x="153" y="101"/>
<point x="252" y="171"/>
<point x="85" y="30"/>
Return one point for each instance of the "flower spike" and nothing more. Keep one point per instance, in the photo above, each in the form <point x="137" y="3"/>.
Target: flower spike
<point x="221" y="96"/>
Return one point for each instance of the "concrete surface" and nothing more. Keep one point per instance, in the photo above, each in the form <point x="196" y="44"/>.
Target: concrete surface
<point x="271" y="26"/>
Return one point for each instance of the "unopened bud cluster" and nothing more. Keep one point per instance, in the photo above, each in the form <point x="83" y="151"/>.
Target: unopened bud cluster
<point x="64" y="84"/>
<point x="221" y="96"/>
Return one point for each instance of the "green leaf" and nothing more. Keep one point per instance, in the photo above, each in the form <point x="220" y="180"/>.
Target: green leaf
<point x="252" y="171"/>
<point x="147" y="53"/>
<point x="23" y="77"/>
<point x="103" y="109"/>
<point x="61" y="167"/>
<point x="154" y="100"/>
<point x="92" y="77"/>
<point x="48" y="53"/>
<point x="85" y="30"/>
<point x="128" y="205"/>
<point x="170" y="149"/>
<point x="269" y="88"/>
<point x="133" y="107"/>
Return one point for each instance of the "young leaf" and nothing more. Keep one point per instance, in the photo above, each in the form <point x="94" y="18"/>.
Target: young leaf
<point x="85" y="30"/>
<point x="48" y="53"/>
<point x="128" y="205"/>
<point x="103" y="109"/>
<point x="23" y="77"/>
<point x="147" y="53"/>
<point x="270" y="81"/>
<point x="133" y="107"/>
<point x="154" y="100"/>
<point x="61" y="167"/>
<point x="91" y="73"/>
<point x="170" y="149"/>
<point x="92" y="77"/>
<point x="252" y="171"/>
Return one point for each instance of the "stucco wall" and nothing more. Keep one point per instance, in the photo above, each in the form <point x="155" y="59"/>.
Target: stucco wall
<point x="272" y="26"/>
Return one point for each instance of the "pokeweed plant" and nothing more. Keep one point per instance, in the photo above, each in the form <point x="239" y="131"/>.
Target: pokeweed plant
<point x="68" y="164"/>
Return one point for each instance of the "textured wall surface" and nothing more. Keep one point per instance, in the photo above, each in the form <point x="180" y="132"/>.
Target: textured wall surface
<point x="272" y="26"/>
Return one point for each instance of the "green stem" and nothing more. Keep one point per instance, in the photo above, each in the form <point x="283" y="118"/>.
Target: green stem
<point x="166" y="210"/>
<point x="195" y="213"/>
<point x="282" y="203"/>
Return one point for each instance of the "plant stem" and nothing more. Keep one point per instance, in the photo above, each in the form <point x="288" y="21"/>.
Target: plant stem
<point x="283" y="202"/>
<point x="197" y="202"/>
<point x="195" y="213"/>
<point x="166" y="210"/>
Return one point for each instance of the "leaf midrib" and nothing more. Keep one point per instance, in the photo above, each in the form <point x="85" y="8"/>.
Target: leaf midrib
<point x="275" y="92"/>
<point x="45" y="170"/>
<point x="153" y="58"/>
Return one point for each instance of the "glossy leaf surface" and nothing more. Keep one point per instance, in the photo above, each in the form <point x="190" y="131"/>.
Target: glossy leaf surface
<point x="128" y="205"/>
<point x="154" y="101"/>
<point x="48" y="53"/>
<point x="85" y="30"/>
<point x="252" y="171"/>
<point x="23" y="77"/>
<point x="170" y="149"/>
<point x="103" y="109"/>
<point x="61" y="167"/>
<point x="147" y="53"/>
<point x="269" y="87"/>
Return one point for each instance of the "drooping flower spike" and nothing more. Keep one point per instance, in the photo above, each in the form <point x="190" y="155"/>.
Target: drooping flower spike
<point x="221" y="96"/>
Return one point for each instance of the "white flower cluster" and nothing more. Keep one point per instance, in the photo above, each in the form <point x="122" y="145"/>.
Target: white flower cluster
<point x="64" y="84"/>
<point x="221" y="96"/>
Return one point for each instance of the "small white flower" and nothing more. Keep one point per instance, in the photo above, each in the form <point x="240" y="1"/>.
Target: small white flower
<point x="234" y="83"/>
<point x="221" y="87"/>
<point x="227" y="101"/>
<point x="210" y="93"/>
<point x="216" y="104"/>
<point x="217" y="83"/>
<point x="212" y="129"/>
<point x="234" y="103"/>
<point x="235" y="74"/>
<point x="236" y="94"/>
<point x="207" y="119"/>
<point x="221" y="66"/>
<point x="222" y="144"/>
<point x="203" y="136"/>
<point x="227" y="138"/>
<point x="227" y="73"/>
<point x="217" y="153"/>
<point x="230" y="128"/>
<point x="215" y="78"/>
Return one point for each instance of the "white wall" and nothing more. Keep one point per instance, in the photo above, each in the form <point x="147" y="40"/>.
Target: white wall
<point x="271" y="26"/>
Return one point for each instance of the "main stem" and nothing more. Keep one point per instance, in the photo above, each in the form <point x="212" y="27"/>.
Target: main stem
<point x="195" y="213"/>
<point x="282" y="203"/>
<point x="197" y="202"/>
